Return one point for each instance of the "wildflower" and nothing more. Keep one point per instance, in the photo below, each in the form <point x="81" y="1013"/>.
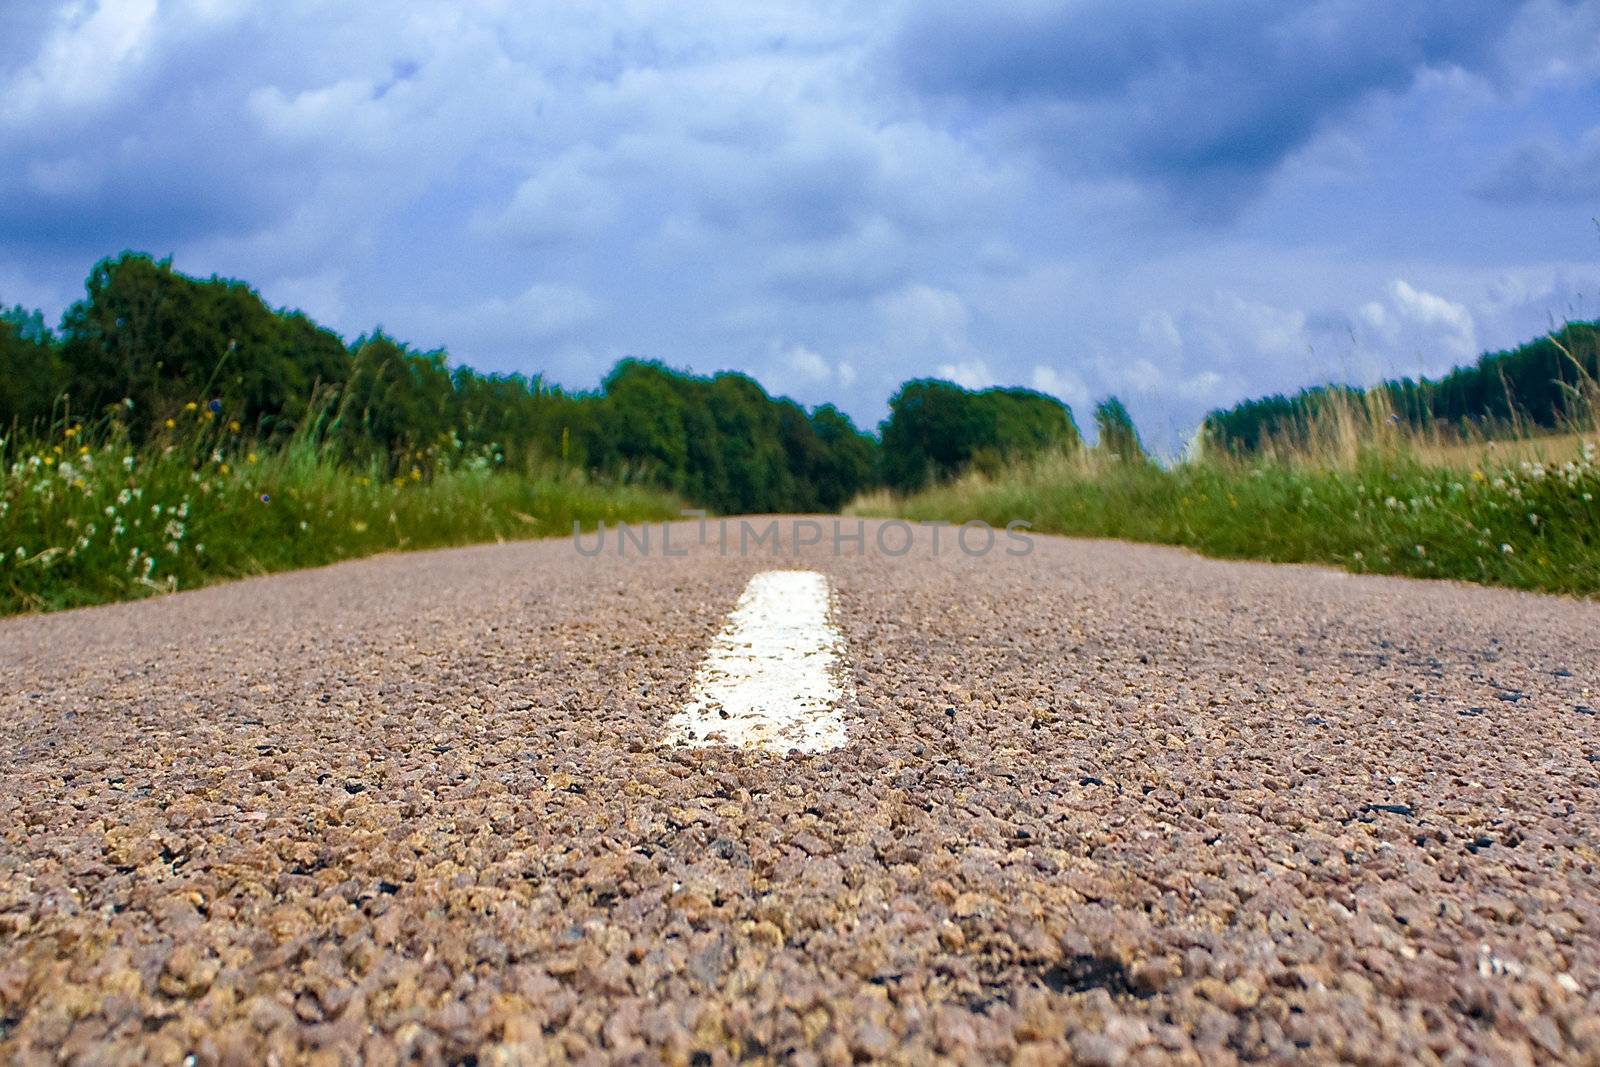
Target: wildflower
<point x="233" y="425"/>
<point x="124" y="496"/>
<point x="127" y="463"/>
<point x="171" y="424"/>
<point x="1532" y="518"/>
<point x="110" y="511"/>
<point x="191" y="406"/>
<point x="1506" y="550"/>
<point x="1421" y="551"/>
<point x="223" y="469"/>
<point x="266" y="498"/>
<point x="251" y="458"/>
<point x="214" y="406"/>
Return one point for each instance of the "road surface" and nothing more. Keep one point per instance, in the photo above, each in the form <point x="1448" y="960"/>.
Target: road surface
<point x="1111" y="800"/>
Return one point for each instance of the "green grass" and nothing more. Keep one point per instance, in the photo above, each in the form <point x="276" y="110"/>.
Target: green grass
<point x="1525" y="524"/>
<point x="91" y="521"/>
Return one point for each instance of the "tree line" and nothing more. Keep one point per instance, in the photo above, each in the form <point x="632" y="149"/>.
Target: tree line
<point x="148" y="343"/>
<point x="1546" y="384"/>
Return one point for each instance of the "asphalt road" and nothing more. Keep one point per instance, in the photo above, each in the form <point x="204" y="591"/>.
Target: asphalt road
<point x="1103" y="799"/>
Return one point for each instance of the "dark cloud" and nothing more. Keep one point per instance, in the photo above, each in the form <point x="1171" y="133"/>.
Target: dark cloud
<point x="835" y="195"/>
<point x="1203" y="98"/>
<point x="1549" y="173"/>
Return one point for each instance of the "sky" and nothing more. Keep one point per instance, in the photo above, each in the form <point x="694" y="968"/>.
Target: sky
<point x="1183" y="204"/>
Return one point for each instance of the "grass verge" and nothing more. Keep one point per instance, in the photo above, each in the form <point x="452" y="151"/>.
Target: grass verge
<point x="1525" y="523"/>
<point x="91" y="522"/>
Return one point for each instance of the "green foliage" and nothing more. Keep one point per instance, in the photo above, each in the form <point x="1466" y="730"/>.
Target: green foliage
<point x="148" y="345"/>
<point x="145" y="333"/>
<point x="937" y="429"/>
<point x="1530" y="525"/>
<point x="30" y="370"/>
<point x="724" y="443"/>
<point x="85" y="517"/>
<point x="1546" y="383"/>
<point x="1119" y="437"/>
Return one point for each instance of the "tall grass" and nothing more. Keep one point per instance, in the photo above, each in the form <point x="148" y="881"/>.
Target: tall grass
<point x="85" y="518"/>
<point x="1357" y="489"/>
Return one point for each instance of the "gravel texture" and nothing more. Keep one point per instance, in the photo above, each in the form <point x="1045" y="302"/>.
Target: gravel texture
<point x="1106" y="802"/>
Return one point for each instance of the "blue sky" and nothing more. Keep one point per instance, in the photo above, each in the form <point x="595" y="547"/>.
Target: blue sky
<point x="1180" y="203"/>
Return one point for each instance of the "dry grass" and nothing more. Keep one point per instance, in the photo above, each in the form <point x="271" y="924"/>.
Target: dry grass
<point x="1358" y="489"/>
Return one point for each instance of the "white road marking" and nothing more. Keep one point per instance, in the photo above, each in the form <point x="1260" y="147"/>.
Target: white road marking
<point x="773" y="678"/>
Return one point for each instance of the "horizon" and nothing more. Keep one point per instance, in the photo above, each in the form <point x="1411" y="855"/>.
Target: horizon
<point x="835" y="202"/>
<point x="1083" y="419"/>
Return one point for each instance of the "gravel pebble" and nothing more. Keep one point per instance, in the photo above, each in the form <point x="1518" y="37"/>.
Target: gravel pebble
<point x="1103" y="801"/>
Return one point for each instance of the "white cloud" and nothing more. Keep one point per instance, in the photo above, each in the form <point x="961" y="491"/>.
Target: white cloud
<point x="969" y="373"/>
<point x="928" y="318"/>
<point x="1157" y="331"/>
<point x="82" y="61"/>
<point x="1066" y="385"/>
<point x="809" y="364"/>
<point x="692" y="181"/>
<point x="1453" y="321"/>
<point x="568" y="198"/>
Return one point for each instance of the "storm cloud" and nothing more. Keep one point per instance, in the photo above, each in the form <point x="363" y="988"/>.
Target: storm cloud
<point x="1182" y="204"/>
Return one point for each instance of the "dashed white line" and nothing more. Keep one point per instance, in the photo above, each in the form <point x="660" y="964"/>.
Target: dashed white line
<point x="773" y="678"/>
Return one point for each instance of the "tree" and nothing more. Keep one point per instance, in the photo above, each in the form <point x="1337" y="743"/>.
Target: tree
<point x="936" y="429"/>
<point x="1119" y="438"/>
<point x="31" y="382"/>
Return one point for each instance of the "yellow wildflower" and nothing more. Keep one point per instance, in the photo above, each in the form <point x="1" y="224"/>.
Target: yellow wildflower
<point x="191" y="406"/>
<point x="171" y="424"/>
